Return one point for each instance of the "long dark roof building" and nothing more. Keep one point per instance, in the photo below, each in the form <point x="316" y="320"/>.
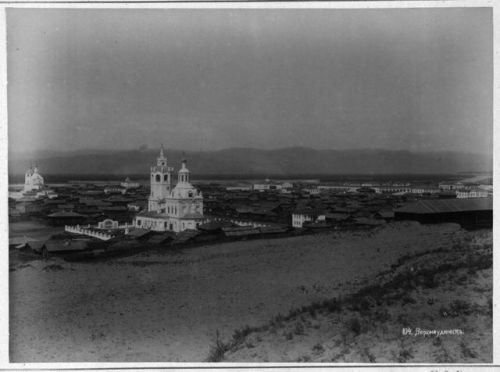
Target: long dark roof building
<point x="470" y="213"/>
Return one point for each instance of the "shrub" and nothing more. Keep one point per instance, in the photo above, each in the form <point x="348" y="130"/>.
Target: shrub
<point x="53" y="267"/>
<point x="407" y="299"/>
<point x="460" y="307"/>
<point x="354" y="326"/>
<point x="299" y="329"/>
<point x="218" y="350"/>
<point x="240" y="334"/>
<point x="304" y="358"/>
<point x="312" y="312"/>
<point x="444" y="357"/>
<point x="429" y="281"/>
<point x="403" y="319"/>
<point x="382" y="316"/>
<point x="318" y="348"/>
<point x="461" y="279"/>
<point x="471" y="271"/>
<point x="371" y="358"/>
<point x="367" y="303"/>
<point x="404" y="355"/>
<point x="466" y="351"/>
<point x="277" y="321"/>
<point x="456" y="308"/>
<point x="334" y="305"/>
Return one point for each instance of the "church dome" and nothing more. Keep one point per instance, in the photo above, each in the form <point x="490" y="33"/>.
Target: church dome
<point x="184" y="190"/>
<point x="183" y="174"/>
<point x="183" y="167"/>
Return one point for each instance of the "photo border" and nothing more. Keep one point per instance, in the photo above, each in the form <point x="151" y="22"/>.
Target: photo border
<point x="203" y="4"/>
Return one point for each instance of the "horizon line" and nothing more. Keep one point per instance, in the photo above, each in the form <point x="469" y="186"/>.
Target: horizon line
<point x="148" y="148"/>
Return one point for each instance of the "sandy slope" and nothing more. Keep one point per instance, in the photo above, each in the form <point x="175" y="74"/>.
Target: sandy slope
<point x="369" y="329"/>
<point x="167" y="307"/>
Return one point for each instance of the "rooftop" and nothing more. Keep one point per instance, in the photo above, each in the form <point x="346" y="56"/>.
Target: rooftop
<point x="447" y="206"/>
<point x="65" y="214"/>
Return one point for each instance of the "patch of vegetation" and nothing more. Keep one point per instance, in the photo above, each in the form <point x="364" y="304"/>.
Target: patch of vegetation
<point x="240" y="334"/>
<point x="404" y="355"/>
<point x="461" y="307"/>
<point x="218" y="351"/>
<point x="318" y="348"/>
<point x="395" y="288"/>
<point x="457" y="308"/>
<point x="444" y="356"/>
<point x="381" y="316"/>
<point x="411" y="256"/>
<point x="277" y="321"/>
<point x="428" y="281"/>
<point x="53" y="267"/>
<point x="354" y="325"/>
<point x="467" y="352"/>
<point x="367" y="354"/>
<point x="304" y="358"/>
<point x="461" y="280"/>
<point x="407" y="299"/>
<point x="299" y="329"/>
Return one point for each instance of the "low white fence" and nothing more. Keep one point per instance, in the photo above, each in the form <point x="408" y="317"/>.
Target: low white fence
<point x="241" y="222"/>
<point x="85" y="230"/>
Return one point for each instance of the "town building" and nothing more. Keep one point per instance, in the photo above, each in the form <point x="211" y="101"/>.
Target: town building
<point x="473" y="193"/>
<point x="392" y="189"/>
<point x="425" y="190"/>
<point x="311" y="190"/>
<point x="128" y="184"/>
<point x="453" y="186"/>
<point x="65" y="218"/>
<point x="300" y="216"/>
<point x="338" y="188"/>
<point x="474" y="213"/>
<point x="269" y="185"/>
<point x="34" y="187"/>
<point x="239" y="188"/>
<point x="171" y="209"/>
<point x="33" y="181"/>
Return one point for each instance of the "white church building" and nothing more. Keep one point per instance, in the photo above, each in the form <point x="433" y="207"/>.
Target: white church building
<point x="34" y="187"/>
<point x="33" y="181"/>
<point x="171" y="209"/>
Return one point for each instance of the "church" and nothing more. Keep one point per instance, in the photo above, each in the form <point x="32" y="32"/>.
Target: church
<point x="171" y="209"/>
<point x="33" y="188"/>
<point x="33" y="181"/>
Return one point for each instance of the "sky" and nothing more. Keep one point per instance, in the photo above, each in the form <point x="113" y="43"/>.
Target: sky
<point x="208" y="79"/>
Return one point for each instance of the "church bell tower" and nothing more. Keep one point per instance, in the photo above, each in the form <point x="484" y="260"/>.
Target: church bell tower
<point x="160" y="182"/>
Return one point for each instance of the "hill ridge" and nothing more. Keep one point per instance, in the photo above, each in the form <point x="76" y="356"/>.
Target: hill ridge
<point x="283" y="161"/>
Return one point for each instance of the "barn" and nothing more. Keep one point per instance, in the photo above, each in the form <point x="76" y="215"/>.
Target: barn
<point x="469" y="213"/>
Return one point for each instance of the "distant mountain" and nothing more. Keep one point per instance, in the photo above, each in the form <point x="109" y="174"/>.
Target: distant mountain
<point x="248" y="161"/>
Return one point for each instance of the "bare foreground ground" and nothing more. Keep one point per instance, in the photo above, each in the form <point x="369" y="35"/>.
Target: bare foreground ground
<point x="169" y="306"/>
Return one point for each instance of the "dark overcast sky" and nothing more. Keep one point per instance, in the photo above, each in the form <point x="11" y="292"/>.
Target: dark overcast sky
<point x="416" y="79"/>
